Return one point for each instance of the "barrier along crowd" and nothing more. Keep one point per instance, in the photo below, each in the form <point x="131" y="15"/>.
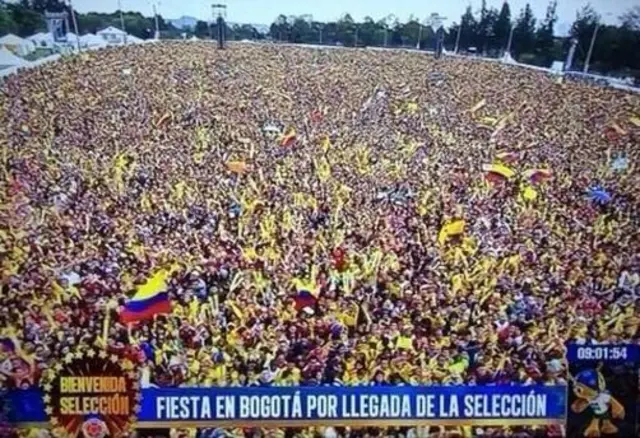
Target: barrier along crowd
<point x="268" y="215"/>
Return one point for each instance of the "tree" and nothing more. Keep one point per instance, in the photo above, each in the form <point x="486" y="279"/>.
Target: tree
<point x="280" y="29"/>
<point x="201" y="30"/>
<point x="346" y="28"/>
<point x="544" y="36"/>
<point x="631" y="18"/>
<point x="42" y="6"/>
<point x="524" y="32"/>
<point x="27" y="21"/>
<point x="7" y="25"/>
<point x="469" y="32"/>
<point x="502" y="26"/>
<point x="369" y="32"/>
<point x="488" y="18"/>
<point x="301" y="31"/>
<point x="582" y="29"/>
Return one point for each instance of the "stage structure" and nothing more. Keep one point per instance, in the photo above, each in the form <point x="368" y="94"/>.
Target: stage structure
<point x="58" y="25"/>
<point x="435" y="21"/>
<point x="219" y="12"/>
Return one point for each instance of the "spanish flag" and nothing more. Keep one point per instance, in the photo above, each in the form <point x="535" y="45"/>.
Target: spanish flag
<point x="150" y="299"/>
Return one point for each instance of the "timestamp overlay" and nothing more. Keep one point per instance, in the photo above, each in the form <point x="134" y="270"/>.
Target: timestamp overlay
<point x="603" y="390"/>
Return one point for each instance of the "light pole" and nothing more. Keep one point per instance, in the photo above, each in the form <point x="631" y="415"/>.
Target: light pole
<point x="455" y="49"/>
<point x="320" y="32"/>
<point x="75" y="25"/>
<point x="593" y="43"/>
<point x="122" y="21"/>
<point x="155" y="16"/>
<point x="421" y="24"/>
<point x="355" y="42"/>
<point x="590" y="52"/>
<point x="571" y="54"/>
<point x="508" y="51"/>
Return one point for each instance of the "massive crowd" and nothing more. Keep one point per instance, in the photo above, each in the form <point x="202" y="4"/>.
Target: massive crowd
<point x="257" y="171"/>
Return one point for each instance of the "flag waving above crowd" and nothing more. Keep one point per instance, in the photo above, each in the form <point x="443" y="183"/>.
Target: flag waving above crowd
<point x="273" y="216"/>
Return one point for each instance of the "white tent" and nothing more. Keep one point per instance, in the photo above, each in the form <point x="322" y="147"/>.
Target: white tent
<point x="42" y="39"/>
<point x="8" y="59"/>
<point x="92" y="41"/>
<point x="17" y="45"/>
<point x="112" y="35"/>
<point x="132" y="39"/>
<point x="194" y="38"/>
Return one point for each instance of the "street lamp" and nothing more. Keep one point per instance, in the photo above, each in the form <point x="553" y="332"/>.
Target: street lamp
<point x="508" y="51"/>
<point x="122" y="21"/>
<point x="593" y="43"/>
<point x="455" y="49"/>
<point x="154" y="4"/>
<point x="75" y="24"/>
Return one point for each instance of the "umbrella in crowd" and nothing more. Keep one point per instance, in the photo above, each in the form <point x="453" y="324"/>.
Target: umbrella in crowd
<point x="270" y="215"/>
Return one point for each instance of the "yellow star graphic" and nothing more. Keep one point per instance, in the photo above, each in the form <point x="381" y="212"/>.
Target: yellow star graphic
<point x="46" y="398"/>
<point x="137" y="409"/>
<point x="68" y="358"/>
<point x="103" y="354"/>
<point x="127" y="365"/>
<point x="133" y="419"/>
<point x="132" y="375"/>
<point x="54" y="421"/>
<point x="58" y="367"/>
<point x="79" y="355"/>
<point x="113" y="358"/>
<point x="48" y="410"/>
<point x="47" y="387"/>
<point x="91" y="354"/>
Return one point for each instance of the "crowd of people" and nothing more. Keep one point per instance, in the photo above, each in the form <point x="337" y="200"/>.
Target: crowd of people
<point x="362" y="177"/>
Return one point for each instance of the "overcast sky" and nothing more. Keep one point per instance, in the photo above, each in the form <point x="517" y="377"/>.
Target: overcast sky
<point x="264" y="11"/>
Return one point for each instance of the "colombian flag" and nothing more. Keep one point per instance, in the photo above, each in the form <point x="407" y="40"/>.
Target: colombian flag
<point x="306" y="291"/>
<point x="150" y="299"/>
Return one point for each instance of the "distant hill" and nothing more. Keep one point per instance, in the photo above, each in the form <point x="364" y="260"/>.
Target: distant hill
<point x="184" y="22"/>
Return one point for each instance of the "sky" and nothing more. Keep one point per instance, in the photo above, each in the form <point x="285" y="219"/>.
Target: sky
<point x="265" y="11"/>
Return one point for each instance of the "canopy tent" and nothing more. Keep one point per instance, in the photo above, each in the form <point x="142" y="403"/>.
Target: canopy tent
<point x="42" y="39"/>
<point x="8" y="59"/>
<point x="112" y="35"/>
<point x="17" y="45"/>
<point x="132" y="39"/>
<point x="92" y="41"/>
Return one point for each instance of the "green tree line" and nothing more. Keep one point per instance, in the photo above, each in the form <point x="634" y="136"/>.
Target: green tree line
<point x="486" y="31"/>
<point x="26" y="17"/>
